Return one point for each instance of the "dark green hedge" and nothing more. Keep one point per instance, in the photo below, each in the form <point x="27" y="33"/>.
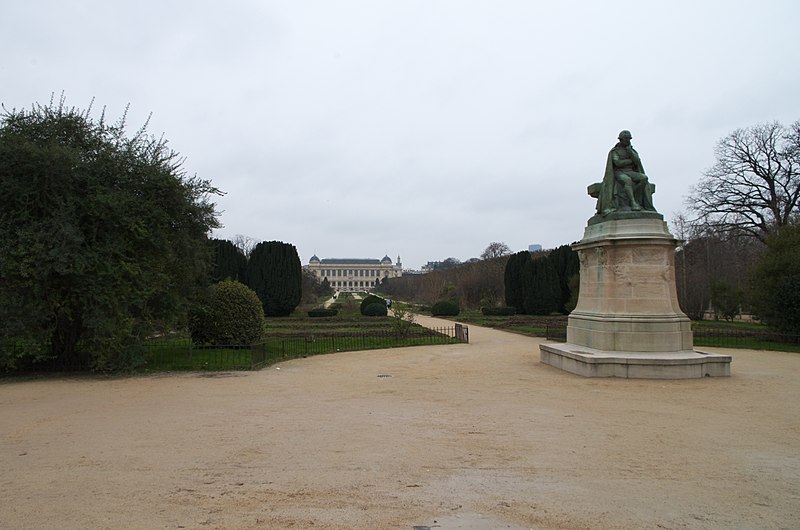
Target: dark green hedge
<point x="323" y="312"/>
<point x="498" y="311"/>
<point x="445" y="308"/>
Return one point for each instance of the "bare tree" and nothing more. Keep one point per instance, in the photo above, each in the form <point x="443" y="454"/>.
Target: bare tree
<point x="496" y="250"/>
<point x="754" y="186"/>
<point x="244" y="243"/>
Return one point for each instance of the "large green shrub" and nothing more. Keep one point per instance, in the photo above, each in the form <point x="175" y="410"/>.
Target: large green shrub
<point x="376" y="309"/>
<point x="229" y="313"/>
<point x="445" y="308"/>
<point x="369" y="300"/>
<point x="103" y="237"/>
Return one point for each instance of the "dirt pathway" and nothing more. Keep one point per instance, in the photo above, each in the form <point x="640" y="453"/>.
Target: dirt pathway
<point x="461" y="436"/>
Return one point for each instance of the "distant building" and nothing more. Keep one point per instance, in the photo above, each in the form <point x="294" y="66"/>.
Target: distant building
<point x="354" y="274"/>
<point x="534" y="248"/>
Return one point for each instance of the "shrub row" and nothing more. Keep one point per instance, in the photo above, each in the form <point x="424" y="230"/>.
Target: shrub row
<point x="498" y="311"/>
<point x="323" y="312"/>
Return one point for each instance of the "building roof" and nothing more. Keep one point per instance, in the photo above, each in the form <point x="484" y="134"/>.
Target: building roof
<point x="349" y="261"/>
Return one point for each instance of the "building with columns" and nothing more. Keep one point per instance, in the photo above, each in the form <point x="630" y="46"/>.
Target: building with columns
<point x="354" y="274"/>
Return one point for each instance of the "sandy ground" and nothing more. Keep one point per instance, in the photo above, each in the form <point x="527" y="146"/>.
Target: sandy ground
<point x="462" y="436"/>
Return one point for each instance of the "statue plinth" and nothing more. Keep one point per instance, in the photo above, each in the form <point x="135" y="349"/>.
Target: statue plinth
<point x="627" y="322"/>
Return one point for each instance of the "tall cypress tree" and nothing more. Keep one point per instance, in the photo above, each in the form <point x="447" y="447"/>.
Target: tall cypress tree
<point x="228" y="261"/>
<point x="513" y="281"/>
<point x="542" y="294"/>
<point x="275" y="274"/>
<point x="566" y="263"/>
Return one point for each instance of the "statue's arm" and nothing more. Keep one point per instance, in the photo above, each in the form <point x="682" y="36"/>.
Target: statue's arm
<point x="616" y="160"/>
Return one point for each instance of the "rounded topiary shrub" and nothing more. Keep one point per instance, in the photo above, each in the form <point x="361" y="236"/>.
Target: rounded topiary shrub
<point x="377" y="309"/>
<point x="323" y="312"/>
<point x="229" y="313"/>
<point x="445" y="308"/>
<point x="369" y="300"/>
<point x="498" y="311"/>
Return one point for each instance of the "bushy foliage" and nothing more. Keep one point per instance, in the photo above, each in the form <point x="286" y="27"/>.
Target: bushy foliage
<point x="776" y="281"/>
<point x="323" y="312"/>
<point x="726" y="299"/>
<point x="375" y="309"/>
<point x="275" y="274"/>
<point x="445" y="308"/>
<point x="229" y="313"/>
<point x="369" y="300"/>
<point x="103" y="236"/>
<point x="402" y="319"/>
<point x="498" y="311"/>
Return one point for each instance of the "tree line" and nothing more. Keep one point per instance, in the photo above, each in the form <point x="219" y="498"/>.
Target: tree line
<point x="742" y="249"/>
<point x="543" y="282"/>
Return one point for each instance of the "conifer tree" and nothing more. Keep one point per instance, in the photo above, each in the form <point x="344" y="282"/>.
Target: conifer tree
<point x="228" y="262"/>
<point x="542" y="294"/>
<point x="275" y="274"/>
<point x="513" y="280"/>
<point x="565" y="261"/>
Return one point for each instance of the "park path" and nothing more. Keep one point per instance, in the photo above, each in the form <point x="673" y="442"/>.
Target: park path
<point x="458" y="436"/>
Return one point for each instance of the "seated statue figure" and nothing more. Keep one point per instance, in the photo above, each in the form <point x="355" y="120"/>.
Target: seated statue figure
<point x="625" y="186"/>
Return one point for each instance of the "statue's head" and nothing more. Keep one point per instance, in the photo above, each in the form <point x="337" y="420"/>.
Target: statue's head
<point x="625" y="137"/>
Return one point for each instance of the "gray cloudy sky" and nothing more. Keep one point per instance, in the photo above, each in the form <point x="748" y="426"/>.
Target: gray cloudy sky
<point x="427" y="129"/>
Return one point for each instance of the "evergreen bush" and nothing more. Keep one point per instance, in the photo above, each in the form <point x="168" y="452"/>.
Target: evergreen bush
<point x="445" y="308"/>
<point x="369" y="300"/>
<point x="228" y="313"/>
<point x="375" y="309"/>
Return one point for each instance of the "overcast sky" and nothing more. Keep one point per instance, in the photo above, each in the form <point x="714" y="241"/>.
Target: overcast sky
<point x="422" y="128"/>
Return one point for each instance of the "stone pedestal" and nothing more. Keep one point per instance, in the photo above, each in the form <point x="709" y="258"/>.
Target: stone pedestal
<point x="627" y="322"/>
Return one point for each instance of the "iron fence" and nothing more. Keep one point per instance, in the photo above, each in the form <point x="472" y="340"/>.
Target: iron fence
<point x="184" y="355"/>
<point x="719" y="337"/>
<point x="746" y="338"/>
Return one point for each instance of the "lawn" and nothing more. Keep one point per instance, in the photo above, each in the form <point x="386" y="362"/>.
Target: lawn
<point x="745" y="335"/>
<point x="295" y="336"/>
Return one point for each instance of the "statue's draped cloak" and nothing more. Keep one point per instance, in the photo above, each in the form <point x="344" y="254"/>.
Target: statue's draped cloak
<point x="605" y="203"/>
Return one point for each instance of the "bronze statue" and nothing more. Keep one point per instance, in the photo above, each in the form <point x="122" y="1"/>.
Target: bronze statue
<point x="625" y="185"/>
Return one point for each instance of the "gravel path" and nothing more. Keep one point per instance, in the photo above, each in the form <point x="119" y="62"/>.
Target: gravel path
<point x="467" y="436"/>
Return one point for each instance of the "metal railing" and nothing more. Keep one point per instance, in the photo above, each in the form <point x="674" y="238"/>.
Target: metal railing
<point x="187" y="356"/>
<point x="722" y="338"/>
